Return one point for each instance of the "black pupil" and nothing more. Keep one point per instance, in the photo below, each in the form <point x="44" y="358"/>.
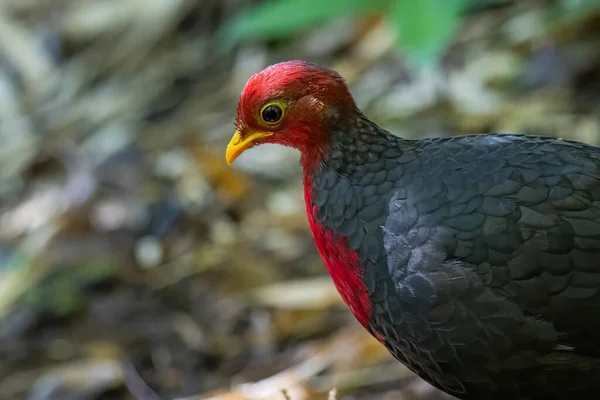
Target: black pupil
<point x="272" y="113"/>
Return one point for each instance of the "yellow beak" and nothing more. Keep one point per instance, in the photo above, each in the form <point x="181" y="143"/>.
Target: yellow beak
<point x="237" y="145"/>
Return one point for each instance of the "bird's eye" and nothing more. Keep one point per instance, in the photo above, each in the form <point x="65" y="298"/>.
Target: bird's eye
<point x="272" y="113"/>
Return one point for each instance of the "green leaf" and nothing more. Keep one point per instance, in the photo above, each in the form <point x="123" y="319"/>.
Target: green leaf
<point x="282" y="18"/>
<point x="425" y="27"/>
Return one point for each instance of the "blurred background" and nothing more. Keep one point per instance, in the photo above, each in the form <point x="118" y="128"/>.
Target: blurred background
<point x="135" y="264"/>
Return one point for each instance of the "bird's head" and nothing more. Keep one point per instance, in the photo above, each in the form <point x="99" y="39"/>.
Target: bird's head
<point x="294" y="103"/>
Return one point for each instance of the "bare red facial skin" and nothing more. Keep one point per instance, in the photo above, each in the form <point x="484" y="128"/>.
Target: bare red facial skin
<point x="313" y="98"/>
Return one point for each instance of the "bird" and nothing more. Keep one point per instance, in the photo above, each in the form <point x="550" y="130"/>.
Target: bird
<point x="474" y="259"/>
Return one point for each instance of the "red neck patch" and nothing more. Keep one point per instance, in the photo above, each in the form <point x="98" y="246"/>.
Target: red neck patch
<point x="341" y="262"/>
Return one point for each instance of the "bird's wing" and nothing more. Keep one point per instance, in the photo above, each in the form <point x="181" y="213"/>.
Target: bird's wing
<point x="494" y="251"/>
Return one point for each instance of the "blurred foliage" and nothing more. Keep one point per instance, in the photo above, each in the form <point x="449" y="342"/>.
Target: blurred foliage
<point x="63" y="292"/>
<point x="281" y="18"/>
<point x="424" y="28"/>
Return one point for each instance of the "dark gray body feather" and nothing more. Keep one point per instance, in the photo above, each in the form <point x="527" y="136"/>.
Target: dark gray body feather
<point x="481" y="256"/>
